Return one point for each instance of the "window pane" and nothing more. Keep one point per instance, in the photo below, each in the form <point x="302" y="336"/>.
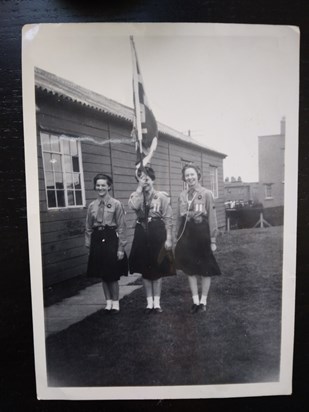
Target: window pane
<point x="78" y="195"/>
<point x="48" y="161"/>
<point x="45" y="141"/>
<point x="49" y="176"/>
<point x="268" y="191"/>
<point x="60" y="198"/>
<point x="51" y="198"/>
<point x="54" y="143"/>
<point x="56" y="162"/>
<point x="75" y="164"/>
<point x="69" y="180"/>
<point x="59" y="180"/>
<point x="77" y="183"/>
<point x="73" y="147"/>
<point x="71" y="198"/>
<point x="67" y="163"/>
<point x="62" y="171"/>
<point x="214" y="180"/>
<point x="66" y="146"/>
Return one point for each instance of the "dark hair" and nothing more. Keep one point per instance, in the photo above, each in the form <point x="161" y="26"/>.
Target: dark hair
<point x="102" y="176"/>
<point x="192" y="166"/>
<point x="148" y="171"/>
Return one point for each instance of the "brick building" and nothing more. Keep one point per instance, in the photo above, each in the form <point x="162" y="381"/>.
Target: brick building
<point x="271" y="168"/>
<point x="239" y="192"/>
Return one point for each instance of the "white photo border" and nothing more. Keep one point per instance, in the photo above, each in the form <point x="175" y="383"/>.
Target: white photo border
<point x="291" y="38"/>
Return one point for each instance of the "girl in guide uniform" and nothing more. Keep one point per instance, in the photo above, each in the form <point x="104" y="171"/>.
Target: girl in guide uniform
<point x="151" y="253"/>
<point x="105" y="235"/>
<point x="197" y="228"/>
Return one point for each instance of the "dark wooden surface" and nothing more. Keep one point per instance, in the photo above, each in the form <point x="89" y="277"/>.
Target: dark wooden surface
<point x="17" y="379"/>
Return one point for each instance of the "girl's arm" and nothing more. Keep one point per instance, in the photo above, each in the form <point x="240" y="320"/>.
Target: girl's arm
<point x="136" y="199"/>
<point x="167" y="216"/>
<point x="212" y="216"/>
<point x="88" y="227"/>
<point x="121" y="226"/>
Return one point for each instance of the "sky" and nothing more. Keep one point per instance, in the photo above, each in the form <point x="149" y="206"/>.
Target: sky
<point x="227" y="84"/>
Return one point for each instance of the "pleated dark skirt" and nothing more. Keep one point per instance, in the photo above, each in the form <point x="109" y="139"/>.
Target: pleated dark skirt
<point x="148" y="255"/>
<point x="103" y="262"/>
<point x="192" y="253"/>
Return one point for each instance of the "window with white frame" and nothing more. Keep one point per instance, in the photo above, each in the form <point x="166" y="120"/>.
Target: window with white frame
<point x="214" y="181"/>
<point x="268" y="191"/>
<point x="63" y="173"/>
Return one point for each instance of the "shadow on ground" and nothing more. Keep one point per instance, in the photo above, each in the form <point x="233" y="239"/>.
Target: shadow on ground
<point x="236" y="341"/>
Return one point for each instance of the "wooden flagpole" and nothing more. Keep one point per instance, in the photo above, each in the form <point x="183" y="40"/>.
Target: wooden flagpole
<point x="138" y="120"/>
<point x="136" y="100"/>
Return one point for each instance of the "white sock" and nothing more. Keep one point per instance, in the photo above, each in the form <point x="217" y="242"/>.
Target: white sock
<point x="203" y="300"/>
<point x="150" y="302"/>
<point x="156" y="302"/>
<point x="195" y="299"/>
<point x="116" y="304"/>
<point x="108" y="304"/>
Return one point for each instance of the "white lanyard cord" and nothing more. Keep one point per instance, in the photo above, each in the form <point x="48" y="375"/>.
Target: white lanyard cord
<point x="187" y="213"/>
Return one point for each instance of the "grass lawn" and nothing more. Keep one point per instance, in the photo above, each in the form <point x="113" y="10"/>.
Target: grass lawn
<point x="236" y="341"/>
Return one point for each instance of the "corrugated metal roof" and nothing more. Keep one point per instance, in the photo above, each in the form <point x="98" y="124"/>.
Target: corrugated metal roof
<point x="68" y="90"/>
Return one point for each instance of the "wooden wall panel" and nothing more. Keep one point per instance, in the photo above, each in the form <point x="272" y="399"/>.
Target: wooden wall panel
<point x="62" y="231"/>
<point x="53" y="275"/>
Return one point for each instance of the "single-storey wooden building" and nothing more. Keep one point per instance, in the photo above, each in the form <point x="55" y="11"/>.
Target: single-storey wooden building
<point x="81" y="133"/>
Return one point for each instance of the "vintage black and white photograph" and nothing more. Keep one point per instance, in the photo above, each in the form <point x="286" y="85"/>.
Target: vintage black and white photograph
<point x="161" y="166"/>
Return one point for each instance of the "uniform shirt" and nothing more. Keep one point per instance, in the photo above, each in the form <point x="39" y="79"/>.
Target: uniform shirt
<point x="113" y="215"/>
<point x="159" y="206"/>
<point x="202" y="205"/>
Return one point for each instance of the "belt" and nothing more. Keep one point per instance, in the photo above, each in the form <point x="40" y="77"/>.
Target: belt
<point x="105" y="227"/>
<point x="150" y="219"/>
<point x="199" y="219"/>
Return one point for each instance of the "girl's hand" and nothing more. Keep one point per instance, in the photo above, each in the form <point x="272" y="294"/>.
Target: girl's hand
<point x="198" y="218"/>
<point x="213" y="247"/>
<point x="168" y="244"/>
<point x="141" y="184"/>
<point x="120" y="255"/>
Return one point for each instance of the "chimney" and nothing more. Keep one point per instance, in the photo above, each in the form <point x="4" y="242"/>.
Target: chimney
<point x="282" y="126"/>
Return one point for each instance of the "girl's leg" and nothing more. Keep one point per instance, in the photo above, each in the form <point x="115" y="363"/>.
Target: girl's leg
<point x="194" y="292"/>
<point x="205" y="289"/>
<point x="114" y="290"/>
<point x="108" y="296"/>
<point x="149" y="292"/>
<point x="157" y="286"/>
<point x="194" y="289"/>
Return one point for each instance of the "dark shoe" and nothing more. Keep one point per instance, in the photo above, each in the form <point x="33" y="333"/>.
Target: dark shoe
<point x="158" y="310"/>
<point x="148" y="311"/>
<point x="115" y="311"/>
<point x="107" y="311"/>
<point x="202" y="308"/>
<point x="194" y="308"/>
